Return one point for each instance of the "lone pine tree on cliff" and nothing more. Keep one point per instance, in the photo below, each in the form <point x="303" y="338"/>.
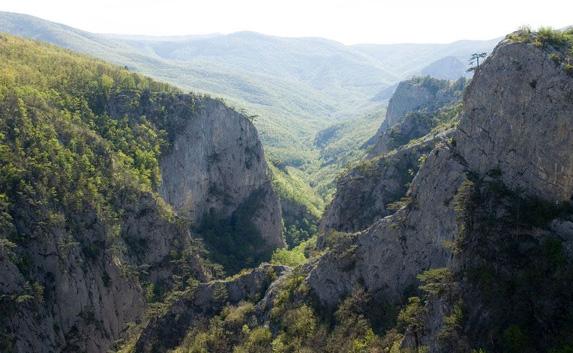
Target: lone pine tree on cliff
<point x="474" y="60"/>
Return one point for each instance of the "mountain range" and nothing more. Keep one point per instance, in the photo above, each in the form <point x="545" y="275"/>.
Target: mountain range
<point x="296" y="86"/>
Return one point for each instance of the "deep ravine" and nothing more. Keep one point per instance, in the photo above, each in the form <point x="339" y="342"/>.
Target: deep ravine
<point x="454" y="234"/>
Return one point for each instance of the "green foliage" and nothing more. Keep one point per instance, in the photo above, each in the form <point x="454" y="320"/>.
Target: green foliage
<point x="431" y="83"/>
<point x="338" y="241"/>
<point x="290" y="185"/>
<point x="339" y="145"/>
<point x="549" y="36"/>
<point x="452" y="326"/>
<point x="514" y="340"/>
<point x="521" y="35"/>
<point x="396" y="205"/>
<point x="301" y="206"/>
<point x="60" y="157"/>
<point x="235" y="242"/>
<point x="222" y="333"/>
<point x="80" y="142"/>
<point x="292" y="290"/>
<point x="295" y="325"/>
<point x="281" y="81"/>
<point x="559" y="44"/>
<point x="568" y="67"/>
<point x="295" y="256"/>
<point x="259" y="340"/>
<point x="411" y="316"/>
<point x="280" y="86"/>
<point x="436" y="281"/>
<point x="355" y="320"/>
<point x="566" y="348"/>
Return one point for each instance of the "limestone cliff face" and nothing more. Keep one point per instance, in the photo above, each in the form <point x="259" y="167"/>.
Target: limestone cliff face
<point x="76" y="290"/>
<point x="410" y="110"/>
<point x="366" y="193"/>
<point x="215" y="166"/>
<point x="371" y="190"/>
<point x="215" y="162"/>
<point x="90" y="288"/>
<point x="516" y="122"/>
<point x="388" y="255"/>
<point x="518" y="115"/>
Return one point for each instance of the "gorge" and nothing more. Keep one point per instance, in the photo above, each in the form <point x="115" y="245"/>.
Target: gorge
<point x="137" y="217"/>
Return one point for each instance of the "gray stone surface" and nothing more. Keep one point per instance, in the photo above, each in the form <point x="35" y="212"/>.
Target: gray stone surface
<point x="388" y="255"/>
<point x="364" y="193"/>
<point x="215" y="165"/>
<point x="412" y="98"/>
<point x="517" y="118"/>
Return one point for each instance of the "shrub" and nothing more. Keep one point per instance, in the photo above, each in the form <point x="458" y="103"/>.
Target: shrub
<point x="292" y="257"/>
<point x="412" y="316"/>
<point x="549" y="36"/>
<point x="436" y="281"/>
<point x="523" y="34"/>
<point x="555" y="58"/>
<point x="568" y="67"/>
<point x="259" y="340"/>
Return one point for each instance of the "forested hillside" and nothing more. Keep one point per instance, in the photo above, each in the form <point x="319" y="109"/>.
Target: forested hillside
<point x="88" y="241"/>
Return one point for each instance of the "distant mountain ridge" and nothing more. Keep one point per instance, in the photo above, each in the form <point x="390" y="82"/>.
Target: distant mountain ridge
<point x="335" y="70"/>
<point x="295" y="86"/>
<point x="406" y="60"/>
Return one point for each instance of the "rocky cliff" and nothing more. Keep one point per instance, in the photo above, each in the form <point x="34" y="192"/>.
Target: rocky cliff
<point x="467" y="245"/>
<point x="374" y="188"/>
<point x="389" y="254"/>
<point x="215" y="166"/>
<point x="518" y="119"/>
<point x="505" y="170"/>
<point x="168" y="330"/>
<point x="495" y="122"/>
<point x="411" y="109"/>
<point x="103" y="177"/>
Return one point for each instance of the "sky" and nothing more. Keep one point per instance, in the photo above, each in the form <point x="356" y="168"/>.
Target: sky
<point x="347" y="21"/>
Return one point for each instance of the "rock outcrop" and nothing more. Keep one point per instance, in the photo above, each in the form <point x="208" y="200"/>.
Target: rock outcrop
<point x="215" y="166"/>
<point x="388" y="255"/>
<point x="166" y="331"/>
<point x="372" y="189"/>
<point x="411" y="109"/>
<point x="369" y="191"/>
<point x="515" y="123"/>
<point x="518" y="113"/>
<point x="215" y="162"/>
<point x="86" y="291"/>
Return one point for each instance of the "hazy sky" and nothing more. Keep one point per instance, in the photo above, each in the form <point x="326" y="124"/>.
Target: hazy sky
<point x="348" y="21"/>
